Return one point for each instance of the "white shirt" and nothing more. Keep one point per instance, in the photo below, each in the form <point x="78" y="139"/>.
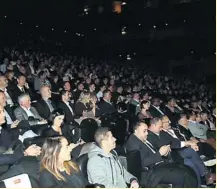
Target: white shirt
<point x="29" y="113"/>
<point x="8" y="98"/>
<point x="99" y="95"/>
<point x="67" y="104"/>
<point x="172" y="133"/>
<point x="21" y="88"/>
<point x="8" y="118"/>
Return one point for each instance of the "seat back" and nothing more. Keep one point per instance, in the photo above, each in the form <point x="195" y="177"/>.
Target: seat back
<point x="38" y="140"/>
<point x="88" y="128"/>
<point x="82" y="164"/>
<point x="134" y="163"/>
<point x="19" y="181"/>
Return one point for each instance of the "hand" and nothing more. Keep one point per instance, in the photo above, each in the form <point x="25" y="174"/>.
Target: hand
<point x="195" y="147"/>
<point x="72" y="146"/>
<point x="190" y="143"/>
<point x="14" y="124"/>
<point x="81" y="142"/>
<point x="194" y="140"/>
<point x="202" y="140"/>
<point x="32" y="150"/>
<point x="27" y="85"/>
<point x="164" y="150"/>
<point x="134" y="184"/>
<point x="43" y="121"/>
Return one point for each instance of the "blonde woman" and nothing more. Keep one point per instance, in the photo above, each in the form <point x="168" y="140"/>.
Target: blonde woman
<point x="83" y="106"/>
<point x="57" y="170"/>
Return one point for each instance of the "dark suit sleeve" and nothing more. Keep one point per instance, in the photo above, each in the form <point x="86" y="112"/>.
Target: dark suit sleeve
<point x="148" y="158"/>
<point x="8" y="159"/>
<point x="166" y="139"/>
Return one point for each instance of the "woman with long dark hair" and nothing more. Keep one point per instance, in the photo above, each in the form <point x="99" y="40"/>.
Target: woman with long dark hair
<point x="56" y="169"/>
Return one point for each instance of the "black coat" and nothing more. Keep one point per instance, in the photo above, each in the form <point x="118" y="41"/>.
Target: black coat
<point x="148" y="158"/>
<point x="43" y="109"/>
<point x="166" y="139"/>
<point x="154" y="112"/>
<point x="106" y="108"/>
<point x="69" y="117"/>
<point x="16" y="92"/>
<point x="75" y="180"/>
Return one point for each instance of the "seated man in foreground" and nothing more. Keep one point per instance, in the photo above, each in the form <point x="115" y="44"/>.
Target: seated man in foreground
<point x="160" y="171"/>
<point x="104" y="166"/>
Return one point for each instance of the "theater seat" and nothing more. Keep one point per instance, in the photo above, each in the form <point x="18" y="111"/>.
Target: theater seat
<point x="88" y="128"/>
<point x="134" y="163"/>
<point x="38" y="129"/>
<point x="82" y="164"/>
<point x="38" y="140"/>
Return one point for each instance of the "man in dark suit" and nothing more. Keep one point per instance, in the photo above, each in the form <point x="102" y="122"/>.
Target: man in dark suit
<point x="155" y="109"/>
<point x="66" y="106"/>
<point x="160" y="170"/>
<point x="105" y="106"/>
<point x="45" y="106"/>
<point x="21" y="88"/>
<point x="10" y="118"/>
<point x="159" y="137"/>
<point x="3" y="88"/>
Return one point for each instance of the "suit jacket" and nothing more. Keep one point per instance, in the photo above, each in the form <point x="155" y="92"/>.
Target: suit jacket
<point x="9" y="92"/>
<point x="198" y="130"/>
<point x="69" y="116"/>
<point x="154" y="112"/>
<point x="20" y="115"/>
<point x="10" y="112"/>
<point x="165" y="139"/>
<point x="17" y="92"/>
<point x="148" y="158"/>
<point x="43" y="109"/>
<point x="106" y="108"/>
<point x="180" y="131"/>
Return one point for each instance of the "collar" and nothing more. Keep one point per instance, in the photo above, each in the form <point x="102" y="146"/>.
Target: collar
<point x="192" y="121"/>
<point x="25" y="108"/>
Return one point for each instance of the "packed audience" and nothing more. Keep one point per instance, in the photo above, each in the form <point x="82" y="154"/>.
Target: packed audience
<point x="78" y="122"/>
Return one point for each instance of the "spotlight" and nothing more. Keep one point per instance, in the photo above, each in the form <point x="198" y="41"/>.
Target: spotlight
<point x="166" y="24"/>
<point x="52" y="29"/>
<point x="5" y="16"/>
<point x="139" y="24"/>
<point x="21" y="23"/>
<point x="154" y="27"/>
<point x="36" y="26"/>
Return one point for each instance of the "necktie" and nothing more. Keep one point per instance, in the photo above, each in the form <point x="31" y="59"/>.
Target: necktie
<point x="150" y="146"/>
<point x="50" y="105"/>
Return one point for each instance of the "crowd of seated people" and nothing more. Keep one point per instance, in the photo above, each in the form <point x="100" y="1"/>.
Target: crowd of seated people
<point x="80" y="123"/>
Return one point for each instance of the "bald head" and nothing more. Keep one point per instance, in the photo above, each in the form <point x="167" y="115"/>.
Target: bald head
<point x="45" y="92"/>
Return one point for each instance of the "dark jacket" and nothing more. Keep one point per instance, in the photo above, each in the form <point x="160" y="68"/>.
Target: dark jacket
<point x="166" y="139"/>
<point x="75" y="180"/>
<point x="69" y="116"/>
<point x="106" y="108"/>
<point x="148" y="158"/>
<point x="43" y="109"/>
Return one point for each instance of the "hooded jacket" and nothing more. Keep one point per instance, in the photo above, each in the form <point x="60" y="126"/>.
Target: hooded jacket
<point x="107" y="170"/>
